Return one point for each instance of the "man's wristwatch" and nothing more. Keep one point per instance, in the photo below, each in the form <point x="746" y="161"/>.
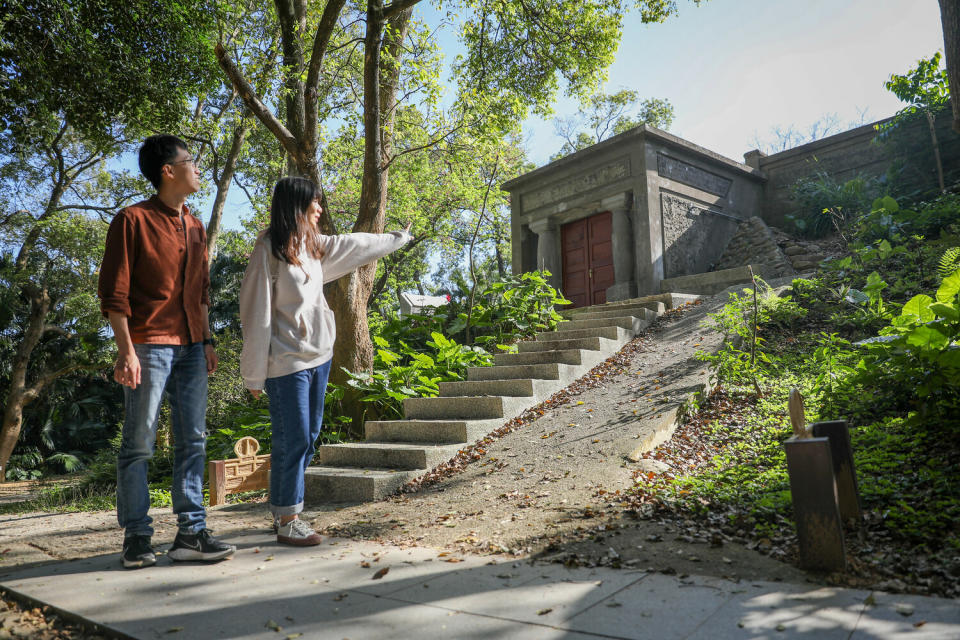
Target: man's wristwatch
<point x="210" y="341"/>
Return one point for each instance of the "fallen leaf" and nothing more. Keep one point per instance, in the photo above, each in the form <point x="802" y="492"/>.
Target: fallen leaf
<point x="379" y="574"/>
<point x="174" y="629"/>
<point x="544" y="612"/>
<point x="292" y="636"/>
<point x="365" y="564"/>
<point x="273" y="626"/>
<point x="339" y="597"/>
<point x="919" y="624"/>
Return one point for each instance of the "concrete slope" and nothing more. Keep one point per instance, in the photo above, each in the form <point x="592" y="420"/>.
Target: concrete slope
<point x="396" y="451"/>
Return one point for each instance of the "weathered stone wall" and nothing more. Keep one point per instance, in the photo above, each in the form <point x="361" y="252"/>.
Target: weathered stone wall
<point x="755" y="243"/>
<point x="848" y="154"/>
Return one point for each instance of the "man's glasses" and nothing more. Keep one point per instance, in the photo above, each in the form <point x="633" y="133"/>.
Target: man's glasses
<point x="189" y="161"/>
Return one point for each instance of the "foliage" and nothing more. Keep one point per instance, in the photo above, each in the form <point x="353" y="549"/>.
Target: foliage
<point x="409" y="373"/>
<point x="925" y="90"/>
<point x="827" y="204"/>
<point x="949" y="262"/>
<point x="605" y="116"/>
<point x="920" y="350"/>
<point x="96" y="62"/>
<point x="922" y="88"/>
<point x="867" y="345"/>
<point x="732" y="363"/>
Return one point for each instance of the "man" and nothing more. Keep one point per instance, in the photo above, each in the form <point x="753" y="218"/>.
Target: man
<point x="153" y="289"/>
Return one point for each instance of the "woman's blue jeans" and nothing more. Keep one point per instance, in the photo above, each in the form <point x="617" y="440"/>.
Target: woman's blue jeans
<point x="180" y="373"/>
<point x="296" y="412"/>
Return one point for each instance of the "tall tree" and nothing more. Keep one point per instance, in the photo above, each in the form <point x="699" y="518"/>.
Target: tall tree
<point x="516" y="52"/>
<point x="604" y="115"/>
<point x="950" y="19"/>
<point x="79" y="78"/>
<point x="55" y="196"/>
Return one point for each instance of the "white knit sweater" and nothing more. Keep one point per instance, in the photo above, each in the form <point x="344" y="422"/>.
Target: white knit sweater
<point x="287" y="325"/>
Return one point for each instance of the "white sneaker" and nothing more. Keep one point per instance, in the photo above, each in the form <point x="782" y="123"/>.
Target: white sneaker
<point x="297" y="533"/>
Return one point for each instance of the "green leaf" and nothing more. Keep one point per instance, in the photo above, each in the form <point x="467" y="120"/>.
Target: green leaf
<point x="886" y="202"/>
<point x="927" y="337"/>
<point x="919" y="307"/>
<point x="944" y="310"/>
<point x="949" y="288"/>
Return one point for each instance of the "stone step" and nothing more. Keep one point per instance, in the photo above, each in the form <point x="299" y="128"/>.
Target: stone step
<point x="338" y="484"/>
<point x="564" y="356"/>
<point x="429" y="431"/>
<point x="629" y="322"/>
<point x="610" y="333"/>
<point x="468" y="407"/>
<point x="516" y="388"/>
<point x="640" y="312"/>
<point x="669" y="300"/>
<point x="710" y="282"/>
<point x="540" y="371"/>
<point x="386" y="455"/>
<point x="592" y="344"/>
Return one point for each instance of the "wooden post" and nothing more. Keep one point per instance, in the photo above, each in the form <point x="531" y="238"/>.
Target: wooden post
<point x="848" y="496"/>
<point x="815" y="509"/>
<point x="218" y="482"/>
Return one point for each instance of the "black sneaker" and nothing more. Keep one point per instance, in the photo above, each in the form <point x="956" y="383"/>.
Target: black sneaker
<point x="137" y="552"/>
<point x="199" y="546"/>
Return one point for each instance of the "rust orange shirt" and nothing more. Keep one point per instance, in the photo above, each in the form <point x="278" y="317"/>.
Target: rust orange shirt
<point x="155" y="273"/>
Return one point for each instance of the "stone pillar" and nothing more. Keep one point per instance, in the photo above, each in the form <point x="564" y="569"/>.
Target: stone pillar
<point x="548" y="249"/>
<point x="752" y="158"/>
<point x="624" y="286"/>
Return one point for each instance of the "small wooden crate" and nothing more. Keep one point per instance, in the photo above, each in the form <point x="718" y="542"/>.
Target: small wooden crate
<point x="246" y="472"/>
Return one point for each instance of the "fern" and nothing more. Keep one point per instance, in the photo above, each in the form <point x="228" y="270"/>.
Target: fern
<point x="949" y="262"/>
<point x="65" y="461"/>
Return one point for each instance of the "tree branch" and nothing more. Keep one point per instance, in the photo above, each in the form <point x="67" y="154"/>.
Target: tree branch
<point x="397" y="6"/>
<point x="254" y="103"/>
<point x="320" y="42"/>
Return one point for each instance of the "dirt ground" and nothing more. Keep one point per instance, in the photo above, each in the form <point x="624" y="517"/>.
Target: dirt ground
<point x="540" y="490"/>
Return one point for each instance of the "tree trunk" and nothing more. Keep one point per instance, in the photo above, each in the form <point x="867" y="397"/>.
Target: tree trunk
<point x="223" y="186"/>
<point x="932" y="123"/>
<point x="353" y="349"/>
<point x="950" y="19"/>
<point x="20" y="395"/>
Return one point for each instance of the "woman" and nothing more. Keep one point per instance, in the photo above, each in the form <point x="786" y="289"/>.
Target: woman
<point x="288" y="334"/>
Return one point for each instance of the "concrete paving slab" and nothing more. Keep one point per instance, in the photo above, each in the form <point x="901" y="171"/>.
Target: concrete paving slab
<point x="777" y="610"/>
<point x="269" y="591"/>
<point x="519" y="592"/>
<point x="896" y="616"/>
<point x="654" y="607"/>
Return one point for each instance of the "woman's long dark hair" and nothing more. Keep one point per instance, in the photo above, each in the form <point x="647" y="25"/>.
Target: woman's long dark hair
<point x="290" y="228"/>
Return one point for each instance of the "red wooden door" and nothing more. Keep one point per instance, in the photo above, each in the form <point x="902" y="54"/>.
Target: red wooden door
<point x="587" y="259"/>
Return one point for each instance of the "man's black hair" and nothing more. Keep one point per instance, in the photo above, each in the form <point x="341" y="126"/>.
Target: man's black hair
<point x="157" y="151"/>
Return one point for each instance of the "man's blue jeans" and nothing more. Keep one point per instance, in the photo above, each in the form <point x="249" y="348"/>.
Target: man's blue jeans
<point x="296" y="413"/>
<point x="180" y="372"/>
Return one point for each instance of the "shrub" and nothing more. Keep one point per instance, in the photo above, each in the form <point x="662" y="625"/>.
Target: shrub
<point x="826" y="202"/>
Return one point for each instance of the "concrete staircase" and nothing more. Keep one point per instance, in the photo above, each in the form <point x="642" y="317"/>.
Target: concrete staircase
<point x="397" y="451"/>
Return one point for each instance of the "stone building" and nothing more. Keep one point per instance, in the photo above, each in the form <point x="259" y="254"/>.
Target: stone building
<point x="613" y="220"/>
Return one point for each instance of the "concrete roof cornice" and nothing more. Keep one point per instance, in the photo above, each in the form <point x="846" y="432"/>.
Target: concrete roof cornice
<point x="626" y="139"/>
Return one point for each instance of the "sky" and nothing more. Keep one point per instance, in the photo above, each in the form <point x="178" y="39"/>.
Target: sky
<point x="735" y="69"/>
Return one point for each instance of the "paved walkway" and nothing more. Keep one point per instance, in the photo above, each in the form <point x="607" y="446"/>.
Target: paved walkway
<point x="332" y="591"/>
